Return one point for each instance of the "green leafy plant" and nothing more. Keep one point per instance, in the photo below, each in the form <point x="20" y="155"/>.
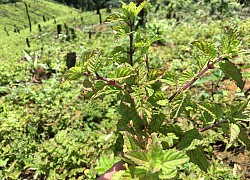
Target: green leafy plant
<point x="150" y="136"/>
<point x="154" y="143"/>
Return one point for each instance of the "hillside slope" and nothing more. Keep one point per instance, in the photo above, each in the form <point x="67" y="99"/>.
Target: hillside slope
<point x="13" y="15"/>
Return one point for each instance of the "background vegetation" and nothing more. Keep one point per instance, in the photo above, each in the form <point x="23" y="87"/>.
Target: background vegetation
<point x="48" y="130"/>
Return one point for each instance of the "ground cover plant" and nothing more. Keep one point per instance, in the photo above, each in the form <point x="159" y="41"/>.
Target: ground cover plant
<point x="56" y="128"/>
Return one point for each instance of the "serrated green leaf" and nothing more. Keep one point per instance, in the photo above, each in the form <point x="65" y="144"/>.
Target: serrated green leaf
<point x="213" y="109"/>
<point x="231" y="71"/>
<point x="207" y="48"/>
<point x="230" y="41"/>
<point x="171" y="128"/>
<point x="138" y="157"/>
<point x="234" y="132"/>
<point x="168" y="174"/>
<point x="123" y="72"/>
<point x="74" y="73"/>
<point x="155" y="73"/>
<point x="140" y="7"/>
<point x="93" y="65"/>
<point x="155" y="152"/>
<point x="191" y="140"/>
<point x="237" y="111"/>
<point x="185" y="76"/>
<point x="198" y="157"/>
<point x="244" y="138"/>
<point x="114" y="17"/>
<point x="156" y="122"/>
<point x="100" y="85"/>
<point x="179" y="105"/>
<point x="173" y="158"/>
<point x="169" y="78"/>
<point x="163" y="102"/>
<point x="130" y="144"/>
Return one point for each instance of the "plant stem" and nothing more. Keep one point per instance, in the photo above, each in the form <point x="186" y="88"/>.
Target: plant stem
<point x="147" y="64"/>
<point x="216" y="124"/>
<point x="109" y="82"/>
<point x="188" y="84"/>
<point x="131" y="38"/>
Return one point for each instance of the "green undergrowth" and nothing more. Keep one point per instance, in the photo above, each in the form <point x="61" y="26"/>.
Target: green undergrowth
<point x="48" y="130"/>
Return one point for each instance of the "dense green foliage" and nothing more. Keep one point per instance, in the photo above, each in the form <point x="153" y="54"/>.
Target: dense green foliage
<point x="50" y="128"/>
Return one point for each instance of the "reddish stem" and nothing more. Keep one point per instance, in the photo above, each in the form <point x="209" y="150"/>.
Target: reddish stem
<point x="188" y="84"/>
<point x="109" y="82"/>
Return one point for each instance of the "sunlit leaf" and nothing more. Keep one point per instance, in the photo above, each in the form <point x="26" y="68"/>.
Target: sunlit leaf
<point x="231" y="71"/>
<point x="138" y="157"/>
<point x="173" y="159"/>
<point x="114" y="17"/>
<point x="179" y="105"/>
<point x="74" y="73"/>
<point x="140" y="7"/>
<point x="234" y="132"/>
<point x="207" y="48"/>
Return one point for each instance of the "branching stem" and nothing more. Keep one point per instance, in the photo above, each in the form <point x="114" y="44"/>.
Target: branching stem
<point x="109" y="82"/>
<point x="216" y="124"/>
<point x="98" y="77"/>
<point x="209" y="65"/>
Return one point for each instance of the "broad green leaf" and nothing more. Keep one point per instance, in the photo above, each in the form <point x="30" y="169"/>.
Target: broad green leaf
<point x="163" y="102"/>
<point x="185" y="76"/>
<point x="99" y="85"/>
<point x="237" y="111"/>
<point x="130" y="144"/>
<point x="213" y="109"/>
<point x="156" y="122"/>
<point x="106" y="91"/>
<point x="180" y="103"/>
<point x="198" y="157"/>
<point x="140" y="7"/>
<point x="123" y="72"/>
<point x="169" y="78"/>
<point x="93" y="65"/>
<point x="155" y="73"/>
<point x="88" y="55"/>
<point x="114" y="17"/>
<point x="155" y="152"/>
<point x="168" y="174"/>
<point x="207" y="48"/>
<point x="244" y="138"/>
<point x="230" y="41"/>
<point x="138" y="157"/>
<point x="120" y="31"/>
<point x="141" y="172"/>
<point x="191" y="140"/>
<point x="74" y="73"/>
<point x="105" y="163"/>
<point x="131" y="8"/>
<point x="171" y="128"/>
<point x="231" y="71"/>
<point x="28" y="57"/>
<point x="234" y="132"/>
<point x="173" y="158"/>
<point x="157" y="96"/>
